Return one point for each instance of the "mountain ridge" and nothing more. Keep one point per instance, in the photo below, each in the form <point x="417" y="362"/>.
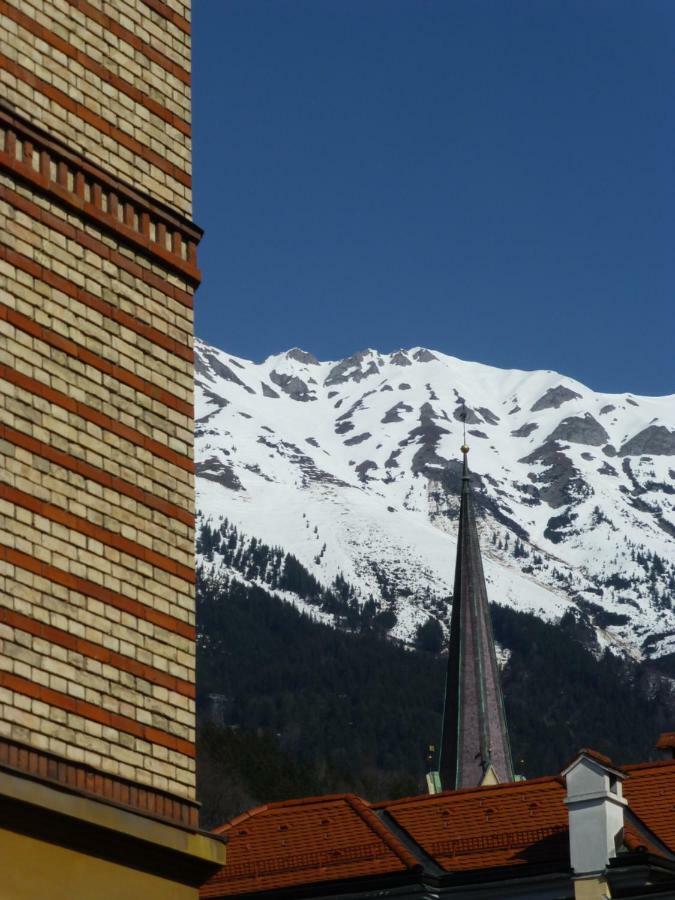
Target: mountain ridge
<point x="353" y="466"/>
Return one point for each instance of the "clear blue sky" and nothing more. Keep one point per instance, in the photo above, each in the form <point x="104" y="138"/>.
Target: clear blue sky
<point x="492" y="179"/>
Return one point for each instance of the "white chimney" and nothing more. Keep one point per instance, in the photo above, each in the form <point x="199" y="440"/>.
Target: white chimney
<point x="595" y="806"/>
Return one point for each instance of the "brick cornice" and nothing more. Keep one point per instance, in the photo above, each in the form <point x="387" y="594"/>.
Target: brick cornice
<point x="96" y="245"/>
<point x="76" y="184"/>
<point x="86" y="780"/>
<point x="102" y="125"/>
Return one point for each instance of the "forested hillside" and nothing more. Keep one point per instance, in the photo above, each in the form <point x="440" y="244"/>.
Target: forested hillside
<point x="289" y="706"/>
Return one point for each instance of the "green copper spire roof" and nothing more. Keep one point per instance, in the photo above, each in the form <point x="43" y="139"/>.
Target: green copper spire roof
<point x="475" y="741"/>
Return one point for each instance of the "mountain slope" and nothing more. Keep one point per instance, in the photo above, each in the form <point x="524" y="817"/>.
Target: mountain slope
<point x="353" y="467"/>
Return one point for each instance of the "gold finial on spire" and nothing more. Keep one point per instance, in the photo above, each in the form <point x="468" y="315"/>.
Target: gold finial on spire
<point x="464" y="449"/>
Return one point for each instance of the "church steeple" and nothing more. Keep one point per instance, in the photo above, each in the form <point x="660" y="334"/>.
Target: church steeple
<point x="475" y="742"/>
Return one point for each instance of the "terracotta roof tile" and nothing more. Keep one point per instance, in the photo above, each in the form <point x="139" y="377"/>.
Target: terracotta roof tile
<point x="598" y="757"/>
<point x="635" y="839"/>
<point x="323" y="839"/>
<point x="306" y="841"/>
<point x="650" y="791"/>
<point x="502" y="825"/>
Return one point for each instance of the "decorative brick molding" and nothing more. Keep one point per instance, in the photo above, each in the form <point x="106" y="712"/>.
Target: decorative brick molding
<point x="88" y="241"/>
<point x="65" y="101"/>
<point x="52" y="169"/>
<point x="86" y="780"/>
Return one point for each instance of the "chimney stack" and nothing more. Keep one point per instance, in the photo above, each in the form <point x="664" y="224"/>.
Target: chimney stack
<point x="666" y="742"/>
<point x="595" y="807"/>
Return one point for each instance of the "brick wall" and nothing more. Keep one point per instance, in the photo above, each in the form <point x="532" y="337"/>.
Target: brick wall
<point x="112" y="78"/>
<point x="96" y="384"/>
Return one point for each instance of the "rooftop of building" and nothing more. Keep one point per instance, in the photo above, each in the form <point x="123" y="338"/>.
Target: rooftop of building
<point x="508" y="830"/>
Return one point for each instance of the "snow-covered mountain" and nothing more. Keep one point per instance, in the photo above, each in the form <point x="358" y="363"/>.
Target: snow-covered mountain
<point x="353" y="467"/>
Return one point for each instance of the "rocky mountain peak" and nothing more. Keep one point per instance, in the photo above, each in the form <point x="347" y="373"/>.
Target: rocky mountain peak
<point x="352" y="466"/>
<point x="302" y="356"/>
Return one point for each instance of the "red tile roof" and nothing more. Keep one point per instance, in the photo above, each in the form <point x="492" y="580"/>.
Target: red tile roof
<point x="305" y="841"/>
<point x="489" y="827"/>
<point x="636" y="840"/>
<point x="507" y="826"/>
<point x="650" y="791"/>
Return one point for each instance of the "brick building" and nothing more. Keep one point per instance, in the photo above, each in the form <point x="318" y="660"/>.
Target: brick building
<point x="97" y="276"/>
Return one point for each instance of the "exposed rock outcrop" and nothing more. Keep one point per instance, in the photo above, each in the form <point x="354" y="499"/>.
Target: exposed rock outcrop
<point x="655" y="440"/>
<point x="580" y="430"/>
<point x="423" y="355"/>
<point x="525" y="430"/>
<point x="302" y="356"/>
<point x="554" y="398"/>
<point x="400" y="358"/>
<point x="292" y="385"/>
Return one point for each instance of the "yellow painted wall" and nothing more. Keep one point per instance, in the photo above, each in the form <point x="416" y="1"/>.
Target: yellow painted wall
<point x="31" y="869"/>
<point x="594" y="887"/>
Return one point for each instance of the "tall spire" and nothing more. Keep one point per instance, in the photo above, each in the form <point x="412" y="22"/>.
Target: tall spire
<point x="475" y="742"/>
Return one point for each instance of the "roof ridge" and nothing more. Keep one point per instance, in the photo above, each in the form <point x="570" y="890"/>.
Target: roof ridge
<point x="309" y="801"/>
<point x="479" y="789"/>
<point x="651" y="764"/>
<point x="657" y="765"/>
<point x="365" y="812"/>
<point x="427" y="861"/>
<point x="650" y="835"/>
<point x="242" y="817"/>
<point x="282" y="804"/>
<point x="597" y="757"/>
